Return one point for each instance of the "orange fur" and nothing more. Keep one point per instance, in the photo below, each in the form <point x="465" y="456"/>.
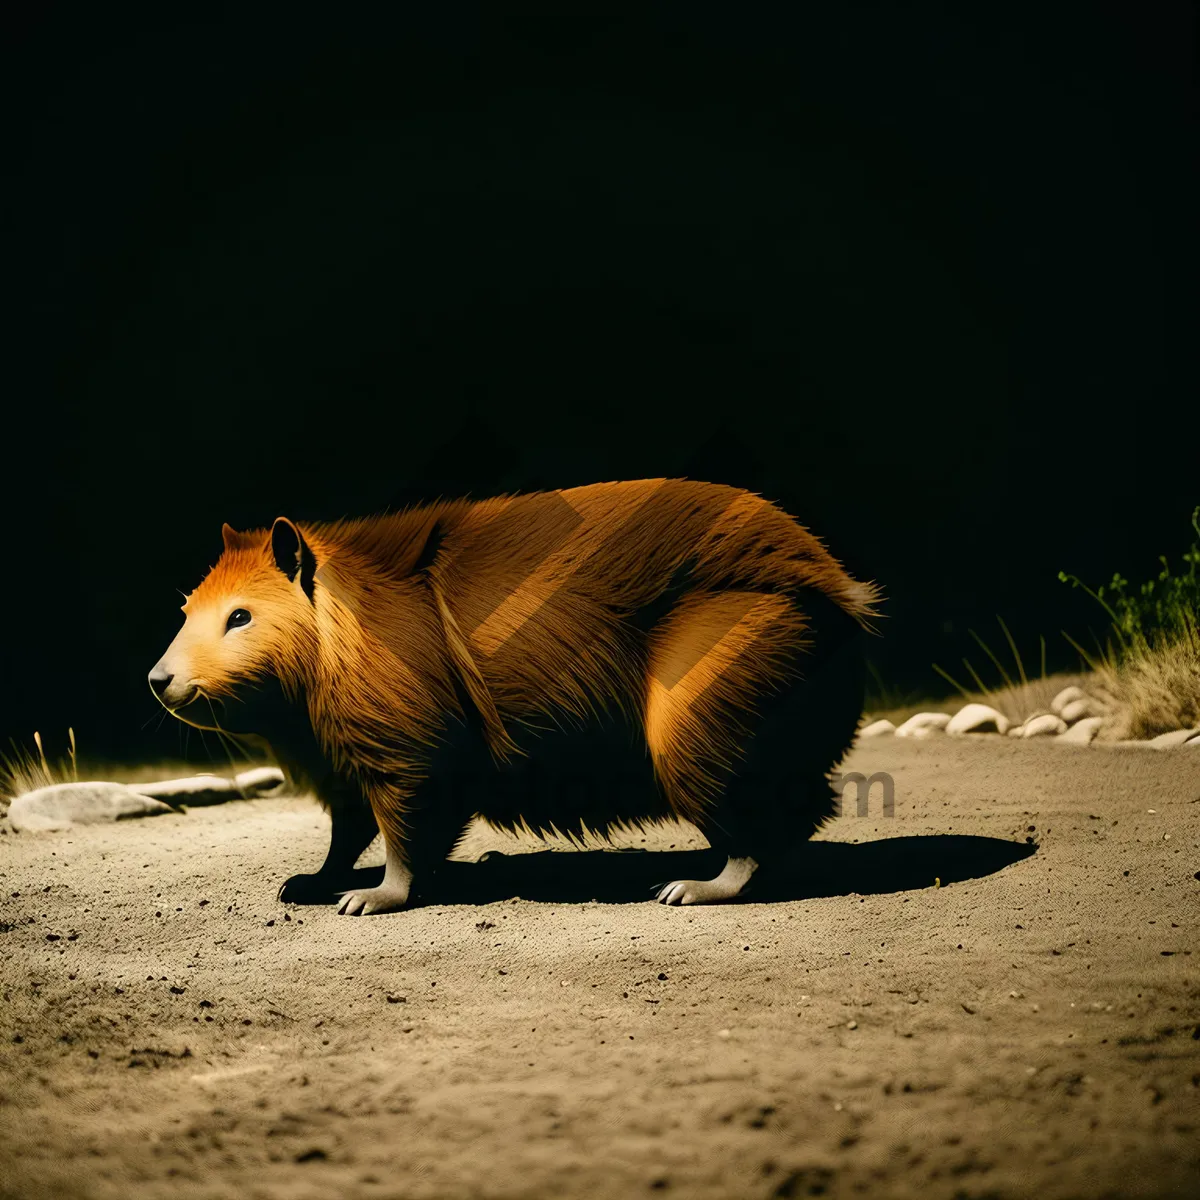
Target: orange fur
<point x="524" y="602"/>
<point x="708" y="661"/>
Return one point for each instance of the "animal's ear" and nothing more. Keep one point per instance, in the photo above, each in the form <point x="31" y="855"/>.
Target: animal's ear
<point x="230" y="536"/>
<point x="292" y="555"/>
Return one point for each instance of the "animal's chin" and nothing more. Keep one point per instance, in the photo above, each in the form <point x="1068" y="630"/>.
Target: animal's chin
<point x="229" y="715"/>
<point x="198" y="711"/>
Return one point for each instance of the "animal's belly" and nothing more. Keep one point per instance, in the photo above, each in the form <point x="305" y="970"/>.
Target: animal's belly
<point x="567" y="778"/>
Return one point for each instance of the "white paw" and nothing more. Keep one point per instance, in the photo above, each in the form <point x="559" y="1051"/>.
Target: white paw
<point x="372" y="900"/>
<point x="682" y="891"/>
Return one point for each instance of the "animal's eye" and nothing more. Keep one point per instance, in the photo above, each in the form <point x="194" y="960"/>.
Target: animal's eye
<point x="239" y="616"/>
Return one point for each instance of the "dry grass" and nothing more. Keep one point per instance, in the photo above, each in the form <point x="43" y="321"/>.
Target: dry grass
<point x="1154" y="687"/>
<point x="1019" y="695"/>
<point x="1020" y="701"/>
<point x="25" y="770"/>
<point x="1149" y="673"/>
<point x="1017" y="701"/>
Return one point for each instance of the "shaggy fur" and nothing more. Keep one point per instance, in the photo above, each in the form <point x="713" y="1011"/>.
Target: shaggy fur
<point x="673" y="608"/>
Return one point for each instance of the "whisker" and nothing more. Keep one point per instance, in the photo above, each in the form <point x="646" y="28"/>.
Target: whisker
<point x="232" y="748"/>
<point x="222" y="736"/>
<point x="162" y="712"/>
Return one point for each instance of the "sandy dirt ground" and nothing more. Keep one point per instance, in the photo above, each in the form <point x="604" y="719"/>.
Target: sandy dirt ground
<point x="1028" y="1027"/>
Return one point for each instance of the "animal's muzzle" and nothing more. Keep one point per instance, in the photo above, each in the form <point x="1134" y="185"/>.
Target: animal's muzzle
<point x="160" y="679"/>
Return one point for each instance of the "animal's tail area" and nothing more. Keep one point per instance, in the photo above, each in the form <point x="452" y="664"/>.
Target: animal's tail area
<point x="755" y="545"/>
<point x="709" y="662"/>
<point x="861" y="600"/>
<point x="501" y="744"/>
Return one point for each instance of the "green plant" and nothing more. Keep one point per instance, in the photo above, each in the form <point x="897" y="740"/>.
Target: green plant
<point x="1151" y="671"/>
<point x="1162" y="608"/>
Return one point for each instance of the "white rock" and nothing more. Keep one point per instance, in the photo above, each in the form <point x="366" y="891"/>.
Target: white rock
<point x="923" y="725"/>
<point x="877" y="729"/>
<point x="212" y="789"/>
<point x="1177" y="737"/>
<point x="1067" y="696"/>
<point x="977" y="718"/>
<point x="65" y="804"/>
<point x="259" y="780"/>
<point x="195" y="789"/>
<point x="1078" y="709"/>
<point x="1046" y="725"/>
<point x="1082" y="732"/>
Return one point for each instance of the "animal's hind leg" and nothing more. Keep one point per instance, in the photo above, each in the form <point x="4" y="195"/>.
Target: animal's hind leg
<point x="743" y="825"/>
<point x="764" y="765"/>
<point x="761" y="819"/>
<point x="728" y="884"/>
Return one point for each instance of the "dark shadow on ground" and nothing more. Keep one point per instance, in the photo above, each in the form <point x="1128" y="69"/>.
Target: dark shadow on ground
<point x="629" y="876"/>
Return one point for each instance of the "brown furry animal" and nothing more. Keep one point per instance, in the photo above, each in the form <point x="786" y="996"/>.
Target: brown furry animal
<point x="689" y="640"/>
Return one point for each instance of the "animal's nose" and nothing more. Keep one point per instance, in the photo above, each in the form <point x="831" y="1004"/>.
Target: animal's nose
<point x="160" y="680"/>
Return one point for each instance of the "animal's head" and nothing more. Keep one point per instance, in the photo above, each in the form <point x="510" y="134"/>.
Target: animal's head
<point x="249" y="623"/>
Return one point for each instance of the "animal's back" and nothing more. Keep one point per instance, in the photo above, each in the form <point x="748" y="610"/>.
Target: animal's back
<point x="555" y="591"/>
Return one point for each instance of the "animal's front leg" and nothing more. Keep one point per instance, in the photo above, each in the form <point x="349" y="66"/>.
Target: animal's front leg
<point x="419" y="831"/>
<point x="354" y="828"/>
<point x="391" y="894"/>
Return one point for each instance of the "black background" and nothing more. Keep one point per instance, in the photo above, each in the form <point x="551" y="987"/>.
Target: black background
<point x="923" y="275"/>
